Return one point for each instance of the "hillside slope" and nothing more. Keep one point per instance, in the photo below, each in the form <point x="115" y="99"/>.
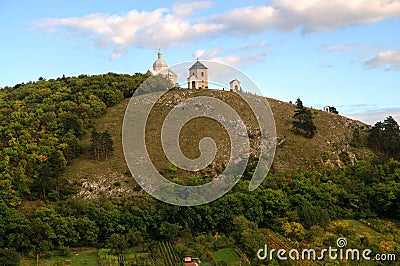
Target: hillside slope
<point x="293" y="153"/>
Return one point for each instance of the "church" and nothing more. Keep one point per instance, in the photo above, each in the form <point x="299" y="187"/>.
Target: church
<point x="161" y="67"/>
<point x="198" y="74"/>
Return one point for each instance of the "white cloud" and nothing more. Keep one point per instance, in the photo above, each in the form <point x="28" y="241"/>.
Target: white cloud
<point x="232" y="57"/>
<point x="176" y="25"/>
<point x="252" y="45"/>
<point x="247" y="20"/>
<point x="339" y="48"/>
<point x="239" y="60"/>
<point x="388" y="59"/>
<point x="207" y="54"/>
<point x="373" y="116"/>
<point x="184" y="9"/>
<point x="317" y="15"/>
<point x="118" y="31"/>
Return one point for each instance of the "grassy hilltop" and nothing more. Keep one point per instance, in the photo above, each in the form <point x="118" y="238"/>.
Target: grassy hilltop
<point x="294" y="152"/>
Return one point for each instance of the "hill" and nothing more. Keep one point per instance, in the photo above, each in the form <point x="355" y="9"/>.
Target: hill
<point x="330" y="146"/>
<point x="311" y="193"/>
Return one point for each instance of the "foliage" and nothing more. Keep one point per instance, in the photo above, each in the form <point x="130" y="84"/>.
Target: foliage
<point x="118" y="243"/>
<point x="157" y="83"/>
<point x="357" y="139"/>
<point x="42" y="127"/>
<point x="313" y="215"/>
<point x="9" y="257"/>
<point x="42" y="124"/>
<point x="303" y="122"/>
<point x="102" y="145"/>
<point x="384" y="137"/>
<point x="333" y="110"/>
<point x="295" y="209"/>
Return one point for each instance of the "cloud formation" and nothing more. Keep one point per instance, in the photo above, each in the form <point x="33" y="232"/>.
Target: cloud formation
<point x="317" y="15"/>
<point x="338" y="48"/>
<point x="169" y="26"/>
<point x="373" y="116"/>
<point x="388" y="59"/>
<point x="185" y="9"/>
<point x="237" y="56"/>
<point x="236" y="60"/>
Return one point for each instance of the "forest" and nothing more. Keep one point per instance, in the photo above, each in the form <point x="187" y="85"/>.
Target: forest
<point x="42" y="124"/>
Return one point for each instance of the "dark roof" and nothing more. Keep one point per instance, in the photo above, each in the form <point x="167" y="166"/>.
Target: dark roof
<point x="198" y="65"/>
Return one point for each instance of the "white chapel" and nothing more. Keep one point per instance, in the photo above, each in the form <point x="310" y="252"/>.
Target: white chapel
<point x="198" y="76"/>
<point x="160" y="67"/>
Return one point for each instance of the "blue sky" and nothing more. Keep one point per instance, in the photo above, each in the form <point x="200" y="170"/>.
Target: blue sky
<point x="344" y="53"/>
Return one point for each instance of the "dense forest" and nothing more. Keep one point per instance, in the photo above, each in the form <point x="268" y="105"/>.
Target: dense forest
<point x="42" y="124"/>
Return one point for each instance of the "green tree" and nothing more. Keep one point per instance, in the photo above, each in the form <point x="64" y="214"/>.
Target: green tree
<point x="118" y="243"/>
<point x="169" y="231"/>
<point x="357" y="138"/>
<point x="155" y="84"/>
<point x="9" y="257"/>
<point x="102" y="145"/>
<point x="384" y="137"/>
<point x="333" y="110"/>
<point x="313" y="215"/>
<point x="303" y="122"/>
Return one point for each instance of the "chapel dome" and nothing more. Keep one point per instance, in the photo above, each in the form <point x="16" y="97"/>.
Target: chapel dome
<point x="160" y="63"/>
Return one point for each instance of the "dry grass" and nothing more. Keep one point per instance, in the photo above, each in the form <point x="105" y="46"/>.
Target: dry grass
<point x="293" y="154"/>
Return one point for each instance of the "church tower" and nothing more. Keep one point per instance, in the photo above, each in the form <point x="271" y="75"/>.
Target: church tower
<point x="198" y="76"/>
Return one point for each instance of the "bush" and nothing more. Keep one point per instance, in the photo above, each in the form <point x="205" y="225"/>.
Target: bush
<point x="63" y="251"/>
<point x="9" y="257"/>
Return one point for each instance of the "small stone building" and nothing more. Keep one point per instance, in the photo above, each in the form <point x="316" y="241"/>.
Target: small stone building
<point x="235" y="85"/>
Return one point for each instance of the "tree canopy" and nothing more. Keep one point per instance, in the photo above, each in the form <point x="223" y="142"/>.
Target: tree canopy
<point x="42" y="123"/>
<point x="302" y="121"/>
<point x="384" y="137"/>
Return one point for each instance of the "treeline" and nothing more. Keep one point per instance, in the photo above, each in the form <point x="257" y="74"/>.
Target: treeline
<point x="283" y="203"/>
<point x="41" y="125"/>
<point x="383" y="138"/>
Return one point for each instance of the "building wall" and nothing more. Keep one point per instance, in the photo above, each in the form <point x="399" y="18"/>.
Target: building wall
<point x="235" y="85"/>
<point x="200" y="77"/>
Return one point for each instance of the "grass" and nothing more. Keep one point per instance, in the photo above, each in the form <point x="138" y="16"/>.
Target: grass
<point x="227" y="255"/>
<point x="295" y="152"/>
<point x="362" y="228"/>
<point x="79" y="258"/>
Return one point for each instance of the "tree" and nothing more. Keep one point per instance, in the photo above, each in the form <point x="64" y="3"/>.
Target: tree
<point x="52" y="167"/>
<point x="303" y="122"/>
<point x="9" y="257"/>
<point x="157" y="83"/>
<point x="169" y="231"/>
<point x="313" y="215"/>
<point x="118" y="243"/>
<point x="357" y="139"/>
<point x="384" y="137"/>
<point x="102" y="145"/>
<point x="333" y="110"/>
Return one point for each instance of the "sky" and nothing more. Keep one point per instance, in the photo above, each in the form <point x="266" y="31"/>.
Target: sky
<point x="342" y="53"/>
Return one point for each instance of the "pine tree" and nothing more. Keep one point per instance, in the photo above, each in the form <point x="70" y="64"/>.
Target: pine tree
<point x="303" y="123"/>
<point x="384" y="137"/>
<point x="102" y="145"/>
<point x="333" y="110"/>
